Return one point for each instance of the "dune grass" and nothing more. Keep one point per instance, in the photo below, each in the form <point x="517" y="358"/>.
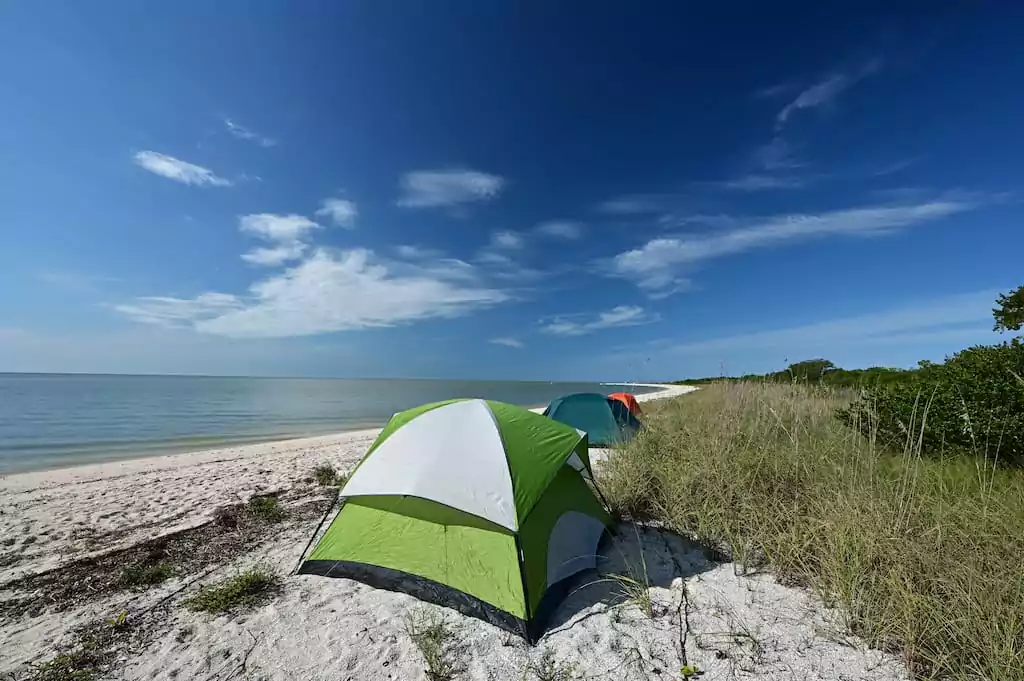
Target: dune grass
<point x="438" y="641"/>
<point x="549" y="668"/>
<point x="923" y="556"/>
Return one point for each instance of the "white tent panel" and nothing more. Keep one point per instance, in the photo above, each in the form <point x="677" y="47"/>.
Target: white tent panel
<point x="572" y="545"/>
<point x="452" y="455"/>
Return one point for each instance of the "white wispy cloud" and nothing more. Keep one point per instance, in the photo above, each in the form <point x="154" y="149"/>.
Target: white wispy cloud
<point x="778" y="154"/>
<point x="413" y="252"/>
<point x="273" y="227"/>
<point x="178" y="170"/>
<point x="560" y="229"/>
<point x="247" y="134"/>
<point x="769" y="166"/>
<point x="503" y="259"/>
<point x="342" y="212"/>
<point x="825" y="90"/>
<point x="172" y="312"/>
<point x="328" y="291"/>
<point x="507" y="342"/>
<point x="758" y="181"/>
<point x="777" y="90"/>
<point x="635" y="204"/>
<point x="285" y="233"/>
<point x="895" y="167"/>
<point x="74" y="281"/>
<point x="448" y="188"/>
<point x="506" y="240"/>
<point x="655" y="266"/>
<point x="578" y="325"/>
<point x="275" y="255"/>
<point x="930" y="320"/>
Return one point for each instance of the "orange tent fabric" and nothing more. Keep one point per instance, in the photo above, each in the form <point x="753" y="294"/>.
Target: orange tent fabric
<point x="628" y="399"/>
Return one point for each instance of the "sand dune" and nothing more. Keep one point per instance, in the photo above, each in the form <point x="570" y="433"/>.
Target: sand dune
<point x="704" y="613"/>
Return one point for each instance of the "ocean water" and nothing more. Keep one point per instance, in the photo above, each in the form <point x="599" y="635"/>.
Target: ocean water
<point x="55" y="420"/>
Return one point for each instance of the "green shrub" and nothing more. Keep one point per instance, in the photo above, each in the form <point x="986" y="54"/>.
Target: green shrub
<point x="326" y="476"/>
<point x="266" y="508"/>
<point x="972" y="403"/>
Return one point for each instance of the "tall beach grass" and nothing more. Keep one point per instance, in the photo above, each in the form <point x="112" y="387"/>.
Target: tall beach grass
<point x="923" y="556"/>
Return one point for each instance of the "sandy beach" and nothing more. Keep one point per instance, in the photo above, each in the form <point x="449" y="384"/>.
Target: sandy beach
<point x="707" y="613"/>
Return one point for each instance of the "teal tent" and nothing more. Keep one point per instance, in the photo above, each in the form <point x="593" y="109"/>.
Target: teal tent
<point x="606" y="421"/>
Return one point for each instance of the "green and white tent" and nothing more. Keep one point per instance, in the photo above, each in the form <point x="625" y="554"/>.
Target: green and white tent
<point x="473" y="504"/>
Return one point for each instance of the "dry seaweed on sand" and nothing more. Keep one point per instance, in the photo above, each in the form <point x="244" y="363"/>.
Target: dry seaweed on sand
<point x="232" y="531"/>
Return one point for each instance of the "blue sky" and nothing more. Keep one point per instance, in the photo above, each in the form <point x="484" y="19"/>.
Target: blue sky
<point x="499" y="190"/>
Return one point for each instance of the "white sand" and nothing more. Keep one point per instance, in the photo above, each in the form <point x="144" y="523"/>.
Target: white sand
<point x="320" y="628"/>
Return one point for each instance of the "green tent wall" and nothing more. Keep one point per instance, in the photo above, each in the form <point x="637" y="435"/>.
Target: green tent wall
<point x="474" y="504"/>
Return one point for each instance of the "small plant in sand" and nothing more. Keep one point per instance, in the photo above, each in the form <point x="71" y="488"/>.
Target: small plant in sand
<point x="438" y="642"/>
<point x="635" y="592"/>
<point x="119" y="622"/>
<point x="326" y="476"/>
<point x="550" y="669"/>
<point x="77" y="665"/>
<point x="266" y="508"/>
<point x="245" y="589"/>
<point x="690" y="671"/>
<point x="635" y="587"/>
<point x="91" y="657"/>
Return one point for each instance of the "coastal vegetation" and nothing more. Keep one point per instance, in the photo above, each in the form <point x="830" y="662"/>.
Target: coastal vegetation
<point x="919" y="550"/>
<point x="971" y="404"/>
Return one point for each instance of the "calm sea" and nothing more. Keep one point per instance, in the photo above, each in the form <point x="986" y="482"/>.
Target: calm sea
<point x="54" y="420"/>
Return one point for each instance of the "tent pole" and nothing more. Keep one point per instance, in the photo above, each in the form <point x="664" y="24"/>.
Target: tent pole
<point x="607" y="506"/>
<point x="330" y="506"/>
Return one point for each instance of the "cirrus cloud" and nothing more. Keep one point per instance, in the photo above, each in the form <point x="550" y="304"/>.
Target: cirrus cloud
<point x="178" y="170"/>
<point x="507" y="342"/>
<point x="655" y="265"/>
<point x="243" y="133"/>
<point x="578" y="325"/>
<point x="448" y="188"/>
<point x="825" y="90"/>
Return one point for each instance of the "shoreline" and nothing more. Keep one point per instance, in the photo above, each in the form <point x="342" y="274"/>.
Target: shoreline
<point x="93" y="454"/>
<point x="95" y="507"/>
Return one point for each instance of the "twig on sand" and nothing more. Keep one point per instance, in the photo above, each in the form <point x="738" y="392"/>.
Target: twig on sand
<point x="683" y="612"/>
<point x="239" y="668"/>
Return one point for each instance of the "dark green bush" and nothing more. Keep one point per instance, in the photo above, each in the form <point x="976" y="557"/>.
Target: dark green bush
<point x="818" y="372"/>
<point x="972" y="403"/>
